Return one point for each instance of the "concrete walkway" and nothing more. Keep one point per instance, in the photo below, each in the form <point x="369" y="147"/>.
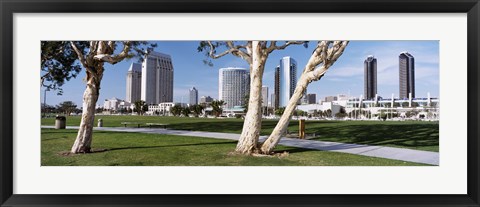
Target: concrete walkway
<point x="403" y="154"/>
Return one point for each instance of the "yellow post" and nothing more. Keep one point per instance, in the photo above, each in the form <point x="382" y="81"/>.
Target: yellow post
<point x="301" y="129"/>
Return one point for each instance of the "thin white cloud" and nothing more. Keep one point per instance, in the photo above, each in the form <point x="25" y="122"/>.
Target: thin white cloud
<point x="344" y="71"/>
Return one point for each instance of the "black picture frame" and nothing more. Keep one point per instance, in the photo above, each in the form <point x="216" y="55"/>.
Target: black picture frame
<point x="10" y="7"/>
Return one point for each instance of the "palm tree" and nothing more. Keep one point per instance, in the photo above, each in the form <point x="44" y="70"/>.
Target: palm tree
<point x="197" y="109"/>
<point x="217" y="107"/>
<point x="139" y="106"/>
<point x="176" y="110"/>
<point x="186" y="111"/>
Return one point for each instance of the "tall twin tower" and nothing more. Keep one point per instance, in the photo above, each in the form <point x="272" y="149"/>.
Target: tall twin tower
<point x="151" y="81"/>
<point x="406" y="68"/>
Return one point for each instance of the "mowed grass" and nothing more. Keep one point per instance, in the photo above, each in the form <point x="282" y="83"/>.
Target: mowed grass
<point x="417" y="135"/>
<point x="140" y="149"/>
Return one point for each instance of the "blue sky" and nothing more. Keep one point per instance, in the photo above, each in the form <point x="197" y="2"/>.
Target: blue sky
<point x="344" y="77"/>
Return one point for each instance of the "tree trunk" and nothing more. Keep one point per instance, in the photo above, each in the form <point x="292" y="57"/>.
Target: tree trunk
<point x="90" y="97"/>
<point x="248" y="142"/>
<point x="282" y="125"/>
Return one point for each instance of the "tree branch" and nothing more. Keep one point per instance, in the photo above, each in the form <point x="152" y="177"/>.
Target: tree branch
<point x="317" y="56"/>
<point x="327" y="57"/>
<point x="273" y="45"/>
<point x="233" y="49"/>
<point x="112" y="59"/>
<point x="212" y="51"/>
<point x="238" y="52"/>
<point x="81" y="58"/>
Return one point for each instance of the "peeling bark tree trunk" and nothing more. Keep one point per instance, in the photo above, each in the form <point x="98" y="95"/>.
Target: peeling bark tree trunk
<point x="90" y="96"/>
<point x="255" y="53"/>
<point x="323" y="54"/>
<point x="99" y="52"/>
<point x="247" y="144"/>
<point x="282" y="125"/>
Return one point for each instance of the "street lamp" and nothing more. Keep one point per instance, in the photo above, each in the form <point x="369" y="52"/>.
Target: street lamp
<point x="45" y="101"/>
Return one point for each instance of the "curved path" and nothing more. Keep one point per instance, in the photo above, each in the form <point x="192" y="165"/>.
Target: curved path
<point x="418" y="156"/>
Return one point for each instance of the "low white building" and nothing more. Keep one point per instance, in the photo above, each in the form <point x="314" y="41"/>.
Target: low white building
<point x="115" y="104"/>
<point x="163" y="108"/>
<point x="392" y="108"/>
<point x="310" y="108"/>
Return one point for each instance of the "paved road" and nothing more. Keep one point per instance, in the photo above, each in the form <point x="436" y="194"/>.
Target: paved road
<point x="403" y="154"/>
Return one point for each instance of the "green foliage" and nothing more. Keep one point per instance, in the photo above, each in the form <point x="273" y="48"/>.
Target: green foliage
<point x="99" y="110"/>
<point x="144" y="108"/>
<point x="217" y="107"/>
<point x="66" y="107"/>
<point x="186" y="111"/>
<point x="197" y="109"/>
<point x="299" y="112"/>
<point x="140" y="107"/>
<point x="279" y="111"/>
<point x="341" y="114"/>
<point x="59" y="62"/>
<point x="328" y="113"/>
<point x="176" y="110"/>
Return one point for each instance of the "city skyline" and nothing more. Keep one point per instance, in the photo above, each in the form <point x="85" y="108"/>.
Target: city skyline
<point x="345" y="77"/>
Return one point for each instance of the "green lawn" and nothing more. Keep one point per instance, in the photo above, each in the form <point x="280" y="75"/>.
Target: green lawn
<point x="407" y="134"/>
<point x="137" y="149"/>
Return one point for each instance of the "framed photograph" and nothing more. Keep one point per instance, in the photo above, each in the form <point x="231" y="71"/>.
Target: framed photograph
<point x="233" y="103"/>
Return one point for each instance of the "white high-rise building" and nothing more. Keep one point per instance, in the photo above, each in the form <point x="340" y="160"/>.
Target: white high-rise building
<point x="264" y="96"/>
<point x="157" y="78"/>
<point x="193" y="96"/>
<point x="134" y="83"/>
<point x="233" y="86"/>
<point x="287" y="80"/>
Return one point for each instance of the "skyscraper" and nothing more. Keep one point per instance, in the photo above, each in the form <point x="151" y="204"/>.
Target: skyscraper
<point x="276" y="92"/>
<point x="157" y="78"/>
<point x="406" y="66"/>
<point x="193" y="96"/>
<point x="272" y="101"/>
<point x="312" y="98"/>
<point x="134" y="83"/>
<point x="264" y="96"/>
<point x="206" y="99"/>
<point x="304" y="99"/>
<point x="286" y="80"/>
<point x="233" y="86"/>
<point x="370" y="77"/>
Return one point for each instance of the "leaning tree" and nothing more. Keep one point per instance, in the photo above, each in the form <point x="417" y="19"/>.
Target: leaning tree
<point x="63" y="60"/>
<point x="255" y="53"/>
<point x="325" y="55"/>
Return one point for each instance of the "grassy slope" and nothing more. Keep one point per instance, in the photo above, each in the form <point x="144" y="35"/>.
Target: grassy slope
<point x="408" y="134"/>
<point x="136" y="149"/>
